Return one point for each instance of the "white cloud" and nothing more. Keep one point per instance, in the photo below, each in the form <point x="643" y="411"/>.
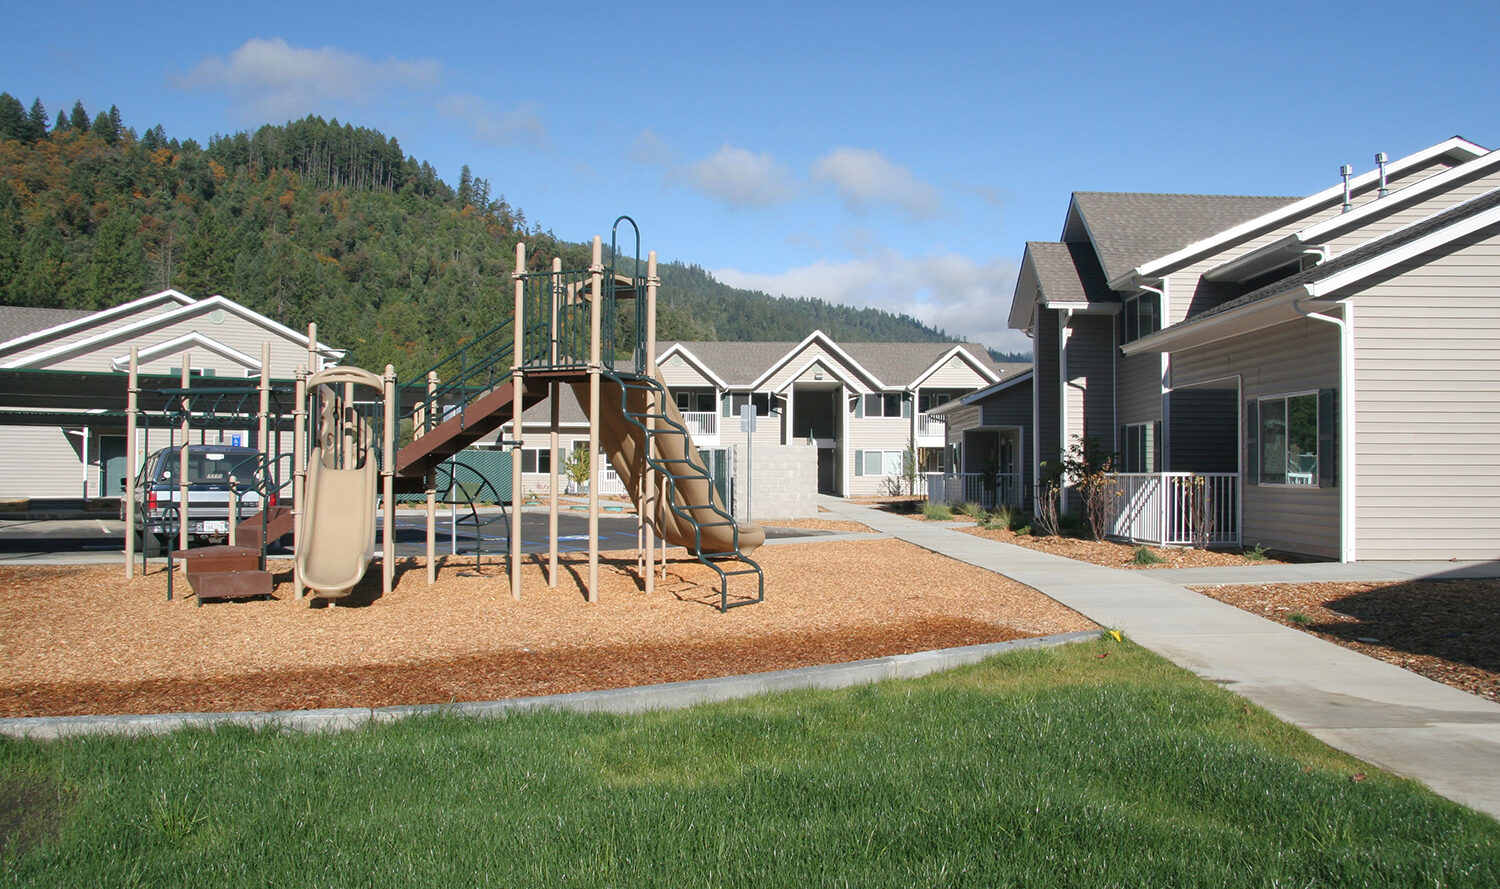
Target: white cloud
<point x="651" y="149"/>
<point x="864" y="178"/>
<point x="279" y="81"/>
<point x="522" y="125"/>
<point x="740" y="178"/>
<point x="966" y="298"/>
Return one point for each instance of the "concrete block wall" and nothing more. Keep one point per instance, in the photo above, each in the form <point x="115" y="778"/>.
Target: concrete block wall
<point x="784" y="480"/>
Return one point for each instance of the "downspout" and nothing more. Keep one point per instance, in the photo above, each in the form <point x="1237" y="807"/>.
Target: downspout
<point x="1347" y="524"/>
<point x="1164" y="366"/>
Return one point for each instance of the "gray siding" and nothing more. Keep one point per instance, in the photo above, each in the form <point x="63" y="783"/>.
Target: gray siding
<point x="1090" y="383"/>
<point x="1289" y="358"/>
<point x="1428" y="407"/>
<point x="1009" y="407"/>
<point x="1138" y="398"/>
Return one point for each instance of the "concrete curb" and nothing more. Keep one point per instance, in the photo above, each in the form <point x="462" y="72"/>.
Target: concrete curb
<point x="642" y="699"/>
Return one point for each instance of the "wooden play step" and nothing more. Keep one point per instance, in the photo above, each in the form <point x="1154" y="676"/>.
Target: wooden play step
<point x="224" y="572"/>
<point x="278" y="524"/>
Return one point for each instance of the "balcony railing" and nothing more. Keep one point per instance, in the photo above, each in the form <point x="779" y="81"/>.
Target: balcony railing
<point x="1179" y="508"/>
<point x="929" y="426"/>
<point x="701" y="424"/>
<point x="971" y="487"/>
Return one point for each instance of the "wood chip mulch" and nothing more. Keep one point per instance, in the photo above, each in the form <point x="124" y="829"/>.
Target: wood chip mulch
<point x="1446" y="630"/>
<point x="79" y="640"/>
<point x="1120" y="555"/>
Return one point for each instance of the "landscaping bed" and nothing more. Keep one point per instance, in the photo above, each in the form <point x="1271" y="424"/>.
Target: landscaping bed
<point x="81" y="640"/>
<point x="1122" y="555"/>
<point x="1446" y="630"/>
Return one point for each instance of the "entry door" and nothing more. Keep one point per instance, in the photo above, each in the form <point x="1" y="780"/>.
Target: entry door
<point x="111" y="464"/>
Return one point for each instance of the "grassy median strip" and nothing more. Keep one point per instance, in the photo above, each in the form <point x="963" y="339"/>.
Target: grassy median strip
<point x="1093" y="765"/>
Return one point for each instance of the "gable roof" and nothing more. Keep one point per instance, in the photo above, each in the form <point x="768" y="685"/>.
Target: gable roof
<point x="88" y="320"/>
<point x="1323" y="280"/>
<point x="749" y="365"/>
<point x="1130" y="229"/>
<point x="1456" y="149"/>
<point x="115" y="335"/>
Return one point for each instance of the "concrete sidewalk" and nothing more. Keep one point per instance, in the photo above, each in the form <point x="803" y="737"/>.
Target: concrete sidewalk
<point x="1402" y="722"/>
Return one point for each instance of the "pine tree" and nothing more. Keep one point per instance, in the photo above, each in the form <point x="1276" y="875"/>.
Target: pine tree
<point x="13" y="119"/>
<point x="36" y="121"/>
<point x="79" y="119"/>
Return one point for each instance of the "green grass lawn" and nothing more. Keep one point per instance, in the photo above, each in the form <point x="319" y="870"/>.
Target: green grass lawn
<point x="1092" y="765"/>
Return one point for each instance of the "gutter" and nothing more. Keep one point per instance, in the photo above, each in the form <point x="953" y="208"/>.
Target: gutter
<point x="1347" y="520"/>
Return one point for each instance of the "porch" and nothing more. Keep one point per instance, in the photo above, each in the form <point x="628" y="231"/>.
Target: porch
<point x="975" y="487"/>
<point x="1178" y="508"/>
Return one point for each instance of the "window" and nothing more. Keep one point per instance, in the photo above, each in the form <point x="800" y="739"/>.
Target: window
<point x="883" y="404"/>
<point x="928" y="400"/>
<point x="1289" y="440"/>
<point x="1141" y="316"/>
<point x="695" y="402"/>
<point x="536" y="460"/>
<point x="1138" y="448"/>
<point x="878" y="462"/>
<point x="733" y="401"/>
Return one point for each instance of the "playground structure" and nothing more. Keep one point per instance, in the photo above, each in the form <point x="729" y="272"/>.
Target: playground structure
<point x="562" y="334"/>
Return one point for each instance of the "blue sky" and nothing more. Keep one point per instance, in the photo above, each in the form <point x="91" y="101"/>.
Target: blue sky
<point x="895" y="155"/>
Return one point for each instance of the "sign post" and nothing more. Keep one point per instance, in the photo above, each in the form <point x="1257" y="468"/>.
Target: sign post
<point x="747" y="426"/>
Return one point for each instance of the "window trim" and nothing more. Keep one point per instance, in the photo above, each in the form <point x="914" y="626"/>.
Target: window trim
<point x="1285" y="398"/>
<point x="1130" y="319"/>
<point x="863" y="454"/>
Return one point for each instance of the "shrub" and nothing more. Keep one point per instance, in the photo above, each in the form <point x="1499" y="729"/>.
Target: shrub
<point x="1300" y="618"/>
<point x="1145" y="555"/>
<point x="1047" y="520"/>
<point x="1023" y="531"/>
<point x="937" y="512"/>
<point x="1254" y="555"/>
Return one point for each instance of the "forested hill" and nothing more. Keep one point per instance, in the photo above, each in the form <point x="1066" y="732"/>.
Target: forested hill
<point x="314" y="221"/>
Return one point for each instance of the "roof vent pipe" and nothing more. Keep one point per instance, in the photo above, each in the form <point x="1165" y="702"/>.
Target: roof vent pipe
<point x="1346" y="171"/>
<point x="1380" y="159"/>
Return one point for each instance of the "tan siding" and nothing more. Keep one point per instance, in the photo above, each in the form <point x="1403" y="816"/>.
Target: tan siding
<point x="1428" y="407"/>
<point x="955" y="374"/>
<point x="92" y="331"/>
<point x="798" y="361"/>
<point x="38" y="461"/>
<point x="1294" y="357"/>
<point x="1417" y="211"/>
<point x="677" y="372"/>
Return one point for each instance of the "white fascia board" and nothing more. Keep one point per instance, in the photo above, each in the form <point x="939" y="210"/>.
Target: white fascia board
<point x="165" y="319"/>
<point x="186" y="341"/>
<point x="839" y="374"/>
<point x="1001" y="386"/>
<point x="1385" y="259"/>
<point x="1317" y="231"/>
<point x="1023" y="311"/>
<point x="1234" y="322"/>
<point x="100" y="317"/>
<point x="1153" y="268"/>
<point x="987" y="373"/>
<point x="678" y="350"/>
<point x="831" y="346"/>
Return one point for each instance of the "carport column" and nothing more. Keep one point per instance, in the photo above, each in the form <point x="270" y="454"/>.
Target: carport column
<point x="517" y="407"/>
<point x="182" y="458"/>
<point x="299" y="474"/>
<point x="132" y="401"/>
<point x="418" y="421"/>
<point x="388" y="478"/>
<point x="596" y="286"/>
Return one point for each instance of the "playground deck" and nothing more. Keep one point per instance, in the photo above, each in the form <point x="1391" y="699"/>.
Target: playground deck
<point x="79" y="640"/>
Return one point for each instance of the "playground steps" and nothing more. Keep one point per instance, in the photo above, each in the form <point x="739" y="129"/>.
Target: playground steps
<point x="224" y="572"/>
<point x="279" y="523"/>
<point x="478" y="418"/>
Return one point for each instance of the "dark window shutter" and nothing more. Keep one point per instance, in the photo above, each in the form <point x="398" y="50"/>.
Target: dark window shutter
<point x="1328" y="437"/>
<point x="1158" y="448"/>
<point x="1252" y="442"/>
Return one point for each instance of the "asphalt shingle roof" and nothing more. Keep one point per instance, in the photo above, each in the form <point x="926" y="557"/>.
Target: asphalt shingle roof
<point x="17" y="321"/>
<point x="1069" y="272"/>
<point x="1130" y="229"/>
<point x="895" y="364"/>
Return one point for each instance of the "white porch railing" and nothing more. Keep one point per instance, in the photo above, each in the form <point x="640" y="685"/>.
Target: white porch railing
<point x="929" y="426"/>
<point x="1167" y="508"/>
<point x="701" y="424"/>
<point x="610" y="484"/>
<point x="970" y="487"/>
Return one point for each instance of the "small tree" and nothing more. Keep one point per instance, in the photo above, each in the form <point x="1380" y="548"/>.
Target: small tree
<point x="1202" y="518"/>
<point x="1092" y="473"/>
<point x="1045" y="507"/>
<point x="577" y="466"/>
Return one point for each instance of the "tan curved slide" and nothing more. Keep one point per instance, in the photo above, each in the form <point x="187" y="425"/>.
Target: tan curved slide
<point x="337" y="537"/>
<point x="625" y="445"/>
